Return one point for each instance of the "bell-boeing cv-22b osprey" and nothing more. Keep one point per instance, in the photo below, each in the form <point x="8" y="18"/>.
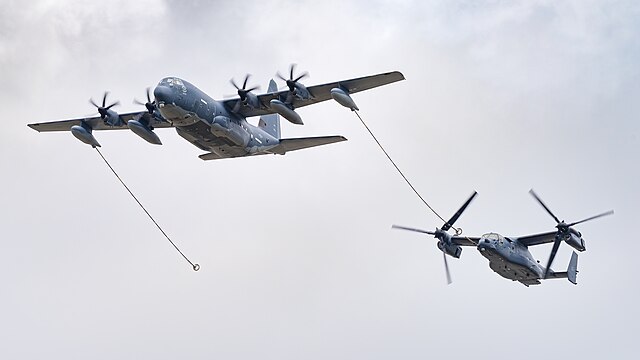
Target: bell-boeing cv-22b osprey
<point x="220" y="127"/>
<point x="509" y="257"/>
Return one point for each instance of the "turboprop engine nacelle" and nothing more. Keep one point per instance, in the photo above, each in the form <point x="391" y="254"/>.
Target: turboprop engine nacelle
<point x="575" y="240"/>
<point x="144" y="132"/>
<point x="223" y="126"/>
<point x="342" y="97"/>
<point x="83" y="133"/>
<point x="451" y="249"/>
<point x="286" y="112"/>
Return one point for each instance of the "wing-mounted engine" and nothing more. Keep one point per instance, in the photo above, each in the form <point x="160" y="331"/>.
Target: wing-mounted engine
<point x="445" y="242"/>
<point x="297" y="91"/>
<point x="110" y="117"/>
<point x="565" y="232"/>
<point x="247" y="98"/>
<point x="84" y="131"/>
<point x="284" y="105"/>
<point x="142" y="125"/>
<point x="446" y="245"/>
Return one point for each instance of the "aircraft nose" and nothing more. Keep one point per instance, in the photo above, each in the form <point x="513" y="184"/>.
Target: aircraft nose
<point x="163" y="94"/>
<point x="484" y="244"/>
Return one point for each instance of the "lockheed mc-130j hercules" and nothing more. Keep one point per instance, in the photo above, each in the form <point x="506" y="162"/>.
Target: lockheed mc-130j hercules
<point x="510" y="256"/>
<point x="220" y="127"/>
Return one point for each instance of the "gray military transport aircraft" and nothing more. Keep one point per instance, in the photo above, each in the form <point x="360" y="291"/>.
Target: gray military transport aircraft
<point x="220" y="127"/>
<point x="510" y="256"/>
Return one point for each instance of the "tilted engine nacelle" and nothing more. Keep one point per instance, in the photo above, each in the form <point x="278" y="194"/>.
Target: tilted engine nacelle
<point x="140" y="129"/>
<point x="223" y="126"/>
<point x="575" y="240"/>
<point x="342" y="97"/>
<point x="451" y="249"/>
<point x="286" y="112"/>
<point x="83" y="133"/>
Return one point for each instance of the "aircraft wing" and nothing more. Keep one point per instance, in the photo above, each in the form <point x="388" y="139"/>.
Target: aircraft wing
<point x="537" y="239"/>
<point x="465" y="240"/>
<point x="287" y="145"/>
<point x="96" y="123"/>
<point x="318" y="93"/>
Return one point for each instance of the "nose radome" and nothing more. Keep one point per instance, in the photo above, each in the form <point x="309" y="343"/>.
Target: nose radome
<point x="163" y="94"/>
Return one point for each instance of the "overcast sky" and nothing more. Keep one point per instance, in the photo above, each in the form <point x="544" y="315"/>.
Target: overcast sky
<point x="297" y="253"/>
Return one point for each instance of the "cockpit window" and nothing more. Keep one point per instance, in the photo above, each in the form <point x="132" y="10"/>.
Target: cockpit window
<point x="174" y="83"/>
<point x="493" y="237"/>
<point x="180" y="86"/>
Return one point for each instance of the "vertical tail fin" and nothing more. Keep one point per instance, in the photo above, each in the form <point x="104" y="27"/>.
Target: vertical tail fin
<point x="572" y="270"/>
<point x="271" y="123"/>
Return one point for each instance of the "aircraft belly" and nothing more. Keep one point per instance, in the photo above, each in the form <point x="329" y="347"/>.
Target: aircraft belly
<point x="513" y="271"/>
<point x="199" y="134"/>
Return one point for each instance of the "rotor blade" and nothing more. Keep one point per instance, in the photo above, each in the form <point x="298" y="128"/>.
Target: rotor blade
<point x="291" y="67"/>
<point x="446" y="268"/>
<point x="112" y="105"/>
<point x="543" y="205"/>
<point x="280" y="76"/>
<point x="234" y="84"/>
<point x="104" y="98"/>
<point x="93" y="103"/>
<point x="554" y="250"/>
<point x="148" y="94"/>
<point x="246" y="78"/>
<point x="137" y="102"/>
<point x="610" y="212"/>
<point x="253" y="88"/>
<point x="455" y="216"/>
<point x="412" y="229"/>
<point x="305" y="74"/>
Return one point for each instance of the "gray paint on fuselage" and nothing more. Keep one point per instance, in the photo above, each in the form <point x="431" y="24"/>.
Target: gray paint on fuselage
<point x="192" y="112"/>
<point x="510" y="259"/>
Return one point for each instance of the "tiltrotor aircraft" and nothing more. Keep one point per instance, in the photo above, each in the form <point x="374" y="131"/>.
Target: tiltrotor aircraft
<point x="220" y="127"/>
<point x="510" y="256"/>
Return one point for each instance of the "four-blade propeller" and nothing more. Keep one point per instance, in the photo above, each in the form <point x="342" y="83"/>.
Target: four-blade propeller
<point x="563" y="229"/>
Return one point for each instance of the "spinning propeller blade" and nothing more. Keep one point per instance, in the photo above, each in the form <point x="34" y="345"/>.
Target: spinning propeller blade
<point x="150" y="105"/>
<point x="103" y="109"/>
<point x="455" y="216"/>
<point x="446" y="268"/>
<point x="543" y="205"/>
<point x="554" y="250"/>
<point x="563" y="229"/>
<point x="606" y="213"/>
<point x="291" y="82"/>
<point x="444" y="239"/>
<point x="412" y="229"/>
<point x="242" y="91"/>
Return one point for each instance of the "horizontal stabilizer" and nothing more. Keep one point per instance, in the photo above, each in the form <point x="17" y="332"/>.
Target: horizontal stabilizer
<point x="287" y="145"/>
<point x="571" y="273"/>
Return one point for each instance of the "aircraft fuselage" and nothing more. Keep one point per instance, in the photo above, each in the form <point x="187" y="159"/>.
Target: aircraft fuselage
<point x="510" y="259"/>
<point x="206" y="123"/>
